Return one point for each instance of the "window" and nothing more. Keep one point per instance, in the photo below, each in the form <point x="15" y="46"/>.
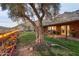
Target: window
<point x="52" y="28"/>
<point x="49" y="28"/>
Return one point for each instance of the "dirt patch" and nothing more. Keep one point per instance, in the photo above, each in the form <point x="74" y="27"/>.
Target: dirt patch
<point x="26" y="51"/>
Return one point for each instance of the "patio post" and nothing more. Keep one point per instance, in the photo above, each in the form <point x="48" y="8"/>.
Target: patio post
<point x="51" y="29"/>
<point x="66" y="31"/>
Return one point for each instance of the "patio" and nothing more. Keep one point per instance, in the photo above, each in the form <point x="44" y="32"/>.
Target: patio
<point x="63" y="37"/>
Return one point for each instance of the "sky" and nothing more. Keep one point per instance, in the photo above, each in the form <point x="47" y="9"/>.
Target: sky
<point x="65" y="7"/>
<point x="69" y="7"/>
<point x="5" y="21"/>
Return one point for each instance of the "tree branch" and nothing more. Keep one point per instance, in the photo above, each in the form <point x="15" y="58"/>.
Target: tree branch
<point x="25" y="16"/>
<point x="34" y="9"/>
<point x="43" y="13"/>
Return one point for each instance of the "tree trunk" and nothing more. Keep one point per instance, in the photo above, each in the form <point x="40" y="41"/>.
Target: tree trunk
<point x="39" y="33"/>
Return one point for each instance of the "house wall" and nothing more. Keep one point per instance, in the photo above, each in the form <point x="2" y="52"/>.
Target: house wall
<point x="46" y="29"/>
<point x="75" y="28"/>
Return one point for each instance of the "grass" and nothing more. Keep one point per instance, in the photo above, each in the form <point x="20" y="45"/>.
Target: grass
<point x="26" y="38"/>
<point x="69" y="44"/>
<point x="63" y="47"/>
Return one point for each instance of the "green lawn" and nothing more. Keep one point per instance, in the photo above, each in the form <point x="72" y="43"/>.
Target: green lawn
<point x="26" y="38"/>
<point x="63" y="47"/>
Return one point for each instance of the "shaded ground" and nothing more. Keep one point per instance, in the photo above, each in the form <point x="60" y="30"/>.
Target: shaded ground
<point x="25" y="51"/>
<point x="60" y="47"/>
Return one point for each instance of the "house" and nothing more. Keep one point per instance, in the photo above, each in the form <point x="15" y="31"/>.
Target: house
<point x="66" y="24"/>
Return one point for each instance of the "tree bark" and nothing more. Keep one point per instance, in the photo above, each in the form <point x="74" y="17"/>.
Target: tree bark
<point x="39" y="33"/>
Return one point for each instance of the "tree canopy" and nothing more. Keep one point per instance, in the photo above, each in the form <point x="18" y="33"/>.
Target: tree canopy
<point x="32" y="12"/>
